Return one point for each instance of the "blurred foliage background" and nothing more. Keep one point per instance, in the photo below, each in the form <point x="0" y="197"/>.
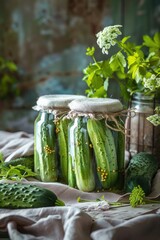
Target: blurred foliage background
<point x="43" y="45"/>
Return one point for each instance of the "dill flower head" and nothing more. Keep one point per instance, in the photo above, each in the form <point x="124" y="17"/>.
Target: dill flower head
<point x="137" y="196"/>
<point x="155" y="119"/>
<point x="152" y="83"/>
<point x="106" y="37"/>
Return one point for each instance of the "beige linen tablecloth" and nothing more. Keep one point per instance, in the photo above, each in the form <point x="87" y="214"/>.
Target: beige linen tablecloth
<point x="75" y="221"/>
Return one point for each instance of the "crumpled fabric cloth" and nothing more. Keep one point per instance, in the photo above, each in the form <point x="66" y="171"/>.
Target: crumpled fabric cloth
<point x="67" y="223"/>
<point x="17" y="144"/>
<point x="139" y="228"/>
<point x="52" y="223"/>
<point x="75" y="221"/>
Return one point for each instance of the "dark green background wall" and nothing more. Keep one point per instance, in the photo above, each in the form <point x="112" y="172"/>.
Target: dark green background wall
<point x="47" y="39"/>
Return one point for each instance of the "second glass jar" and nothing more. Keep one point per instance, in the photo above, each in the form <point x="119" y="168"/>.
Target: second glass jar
<point x="96" y="145"/>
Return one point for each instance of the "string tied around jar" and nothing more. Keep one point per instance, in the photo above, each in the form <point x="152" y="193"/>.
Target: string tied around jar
<point x="111" y="120"/>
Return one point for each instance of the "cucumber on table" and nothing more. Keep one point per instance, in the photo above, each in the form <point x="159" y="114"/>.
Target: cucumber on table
<point x="140" y="171"/>
<point x="19" y="195"/>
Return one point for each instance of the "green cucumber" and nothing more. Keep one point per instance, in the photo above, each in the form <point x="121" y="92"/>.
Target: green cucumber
<point x="105" y="152"/>
<point x="119" y="138"/>
<point x="62" y="135"/>
<point x="83" y="158"/>
<point x="37" y="140"/>
<point x="71" y="155"/>
<point x="19" y="195"/>
<point x="45" y="157"/>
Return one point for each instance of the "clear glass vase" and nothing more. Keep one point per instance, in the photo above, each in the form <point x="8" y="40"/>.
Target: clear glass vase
<point x="142" y="136"/>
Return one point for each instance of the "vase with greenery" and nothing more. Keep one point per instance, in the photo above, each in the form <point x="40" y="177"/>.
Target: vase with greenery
<point x="135" y="67"/>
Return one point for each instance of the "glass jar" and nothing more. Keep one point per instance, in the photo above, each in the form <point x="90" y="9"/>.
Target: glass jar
<point x="45" y="159"/>
<point x="96" y="144"/>
<point x="142" y="135"/>
<point x="51" y="137"/>
<point x="79" y="146"/>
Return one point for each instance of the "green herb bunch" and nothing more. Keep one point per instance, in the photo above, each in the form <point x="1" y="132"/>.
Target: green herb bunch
<point x="137" y="197"/>
<point x="136" y="68"/>
<point x="15" y="173"/>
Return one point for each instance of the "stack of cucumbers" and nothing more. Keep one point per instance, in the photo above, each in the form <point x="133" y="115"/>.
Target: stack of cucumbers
<point x="96" y="156"/>
<point x="81" y="151"/>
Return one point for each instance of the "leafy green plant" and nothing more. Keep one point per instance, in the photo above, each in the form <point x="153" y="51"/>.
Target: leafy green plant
<point x="8" y="79"/>
<point x="136" y="68"/>
<point x="15" y="173"/>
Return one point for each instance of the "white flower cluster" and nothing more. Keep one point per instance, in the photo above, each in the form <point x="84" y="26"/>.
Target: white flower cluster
<point x="152" y="83"/>
<point x="106" y="37"/>
<point x="154" y="119"/>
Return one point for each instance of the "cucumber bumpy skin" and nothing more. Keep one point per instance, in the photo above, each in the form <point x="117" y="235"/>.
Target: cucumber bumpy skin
<point x="83" y="158"/>
<point x="18" y="195"/>
<point x="45" y="159"/>
<point x="37" y="142"/>
<point x="62" y="135"/>
<point x="71" y="155"/>
<point x="141" y="170"/>
<point x="119" y="138"/>
<point x="105" y="152"/>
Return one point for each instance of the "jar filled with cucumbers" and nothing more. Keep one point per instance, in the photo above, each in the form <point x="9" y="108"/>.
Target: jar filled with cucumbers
<point x="96" y="144"/>
<point x="51" y="137"/>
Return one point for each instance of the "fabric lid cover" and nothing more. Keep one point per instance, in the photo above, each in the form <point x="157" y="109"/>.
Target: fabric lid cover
<point x="96" y="105"/>
<point x="59" y="100"/>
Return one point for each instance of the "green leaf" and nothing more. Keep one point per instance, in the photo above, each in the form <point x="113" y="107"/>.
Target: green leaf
<point x="106" y="70"/>
<point x="153" y="59"/>
<point x="149" y="42"/>
<point x="92" y="67"/>
<point x="134" y="71"/>
<point x="117" y="61"/>
<point x="124" y="91"/>
<point x="97" y="81"/>
<point x="121" y="75"/>
<point x="157" y="39"/>
<point x="142" y="70"/>
<point x="114" y="63"/>
<point x="131" y="60"/>
<point x="90" y="51"/>
<point x="121" y="60"/>
<point x="14" y="172"/>
<point x="125" y="39"/>
<point x="89" y="92"/>
<point x="11" y="66"/>
<point x="100" y="92"/>
<point x="90" y="77"/>
<point x="139" y="53"/>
